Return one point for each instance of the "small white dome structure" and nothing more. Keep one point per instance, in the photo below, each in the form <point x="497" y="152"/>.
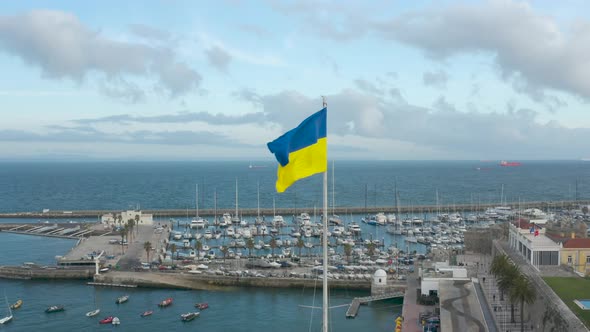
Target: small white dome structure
<point x="380" y="278"/>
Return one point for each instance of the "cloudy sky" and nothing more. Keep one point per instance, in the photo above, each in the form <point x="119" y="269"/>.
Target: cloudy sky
<point x="210" y="80"/>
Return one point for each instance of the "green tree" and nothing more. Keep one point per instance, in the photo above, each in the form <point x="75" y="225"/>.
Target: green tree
<point x="173" y="249"/>
<point x="347" y="251"/>
<point x="500" y="264"/>
<point x="131" y="226"/>
<point x="224" y="251"/>
<point x="506" y="283"/>
<point x="250" y="246"/>
<point x="273" y="245"/>
<point x="522" y="291"/>
<point x="300" y="244"/>
<point x="147" y="246"/>
<point x="371" y="249"/>
<point x="198" y="247"/>
<point x="123" y="232"/>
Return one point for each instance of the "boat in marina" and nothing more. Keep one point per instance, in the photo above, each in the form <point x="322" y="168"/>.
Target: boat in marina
<point x="122" y="299"/>
<point x="8" y="318"/>
<point x="146" y="313"/>
<point x="189" y="316"/>
<point x="17" y="304"/>
<point x="93" y="313"/>
<point x="202" y="306"/>
<point x="116" y="321"/>
<point x="165" y="303"/>
<point x="106" y="320"/>
<point x="55" y="308"/>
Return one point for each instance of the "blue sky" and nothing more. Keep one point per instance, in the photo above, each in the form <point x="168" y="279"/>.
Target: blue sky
<point x="196" y="80"/>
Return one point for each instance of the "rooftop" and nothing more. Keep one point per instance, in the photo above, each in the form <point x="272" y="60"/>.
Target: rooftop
<point x="577" y="243"/>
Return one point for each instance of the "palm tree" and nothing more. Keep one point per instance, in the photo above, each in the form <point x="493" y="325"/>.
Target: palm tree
<point x="347" y="251"/>
<point x="198" y="247"/>
<point x="123" y="232"/>
<point x="500" y="264"/>
<point x="273" y="245"/>
<point x="132" y="226"/>
<point x="173" y="249"/>
<point x="224" y="251"/>
<point x="250" y="246"/>
<point x="506" y="284"/>
<point x="523" y="291"/>
<point x="300" y="245"/>
<point x="371" y="249"/>
<point x="147" y="246"/>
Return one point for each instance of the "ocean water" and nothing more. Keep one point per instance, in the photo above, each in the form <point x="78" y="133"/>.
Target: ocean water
<point x="166" y="185"/>
<point x="72" y="186"/>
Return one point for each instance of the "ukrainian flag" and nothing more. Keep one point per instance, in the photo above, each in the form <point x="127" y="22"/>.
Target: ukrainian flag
<point x="302" y="151"/>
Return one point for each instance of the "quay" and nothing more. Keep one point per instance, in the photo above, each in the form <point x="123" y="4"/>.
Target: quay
<point x="110" y="285"/>
<point x="64" y="230"/>
<point x="357" y="301"/>
<point x="168" y="213"/>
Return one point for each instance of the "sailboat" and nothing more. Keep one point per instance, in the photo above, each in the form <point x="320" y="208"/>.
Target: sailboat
<point x="334" y="219"/>
<point x="9" y="317"/>
<point x="95" y="311"/>
<point x="197" y="222"/>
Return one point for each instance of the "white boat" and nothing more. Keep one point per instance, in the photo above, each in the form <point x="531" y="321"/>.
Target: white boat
<point x="93" y="313"/>
<point x="116" y="321"/>
<point x="208" y="234"/>
<point x="354" y="228"/>
<point x="8" y="318"/>
<point x="198" y="223"/>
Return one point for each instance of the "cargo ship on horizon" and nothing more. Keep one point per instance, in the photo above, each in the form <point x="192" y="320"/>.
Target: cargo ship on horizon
<point x="509" y="163"/>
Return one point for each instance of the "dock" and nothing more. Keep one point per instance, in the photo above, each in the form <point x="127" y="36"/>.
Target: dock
<point x="354" y="307"/>
<point x="106" y="284"/>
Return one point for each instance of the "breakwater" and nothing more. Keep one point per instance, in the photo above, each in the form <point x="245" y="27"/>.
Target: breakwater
<point x="47" y="273"/>
<point x="163" y="213"/>
<point x="216" y="282"/>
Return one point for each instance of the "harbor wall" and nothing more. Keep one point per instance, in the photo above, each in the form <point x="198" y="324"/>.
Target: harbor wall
<point x="19" y="272"/>
<point x="296" y="211"/>
<point x="215" y="282"/>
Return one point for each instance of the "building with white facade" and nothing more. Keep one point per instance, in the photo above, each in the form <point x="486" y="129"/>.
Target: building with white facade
<point x="530" y="241"/>
<point x="121" y="219"/>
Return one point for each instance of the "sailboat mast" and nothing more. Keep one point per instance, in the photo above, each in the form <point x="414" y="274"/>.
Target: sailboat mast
<point x="333" y="190"/>
<point x="197" y="199"/>
<point x="215" y="205"/>
<point x="325" y="248"/>
<point x="258" y="199"/>
<point x="236" y="197"/>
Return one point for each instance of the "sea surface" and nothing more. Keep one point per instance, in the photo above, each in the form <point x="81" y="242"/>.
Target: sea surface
<point x="164" y="185"/>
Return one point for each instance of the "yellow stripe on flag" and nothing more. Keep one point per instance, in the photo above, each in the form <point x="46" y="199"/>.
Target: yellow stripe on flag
<point x="303" y="163"/>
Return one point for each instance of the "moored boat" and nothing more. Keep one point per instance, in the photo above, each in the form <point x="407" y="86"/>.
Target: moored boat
<point x="17" y="304"/>
<point x="122" y="299"/>
<point x="55" y="308"/>
<point x="147" y="313"/>
<point x="189" y="316"/>
<point x="202" y="306"/>
<point x="92" y="313"/>
<point x="106" y="320"/>
<point x="116" y="321"/>
<point x="166" y="302"/>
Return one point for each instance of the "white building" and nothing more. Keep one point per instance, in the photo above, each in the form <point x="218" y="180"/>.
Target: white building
<point x="430" y="279"/>
<point x="530" y="241"/>
<point x="122" y="218"/>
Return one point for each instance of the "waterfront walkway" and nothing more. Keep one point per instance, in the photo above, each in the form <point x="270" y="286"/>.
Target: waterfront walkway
<point x="411" y="309"/>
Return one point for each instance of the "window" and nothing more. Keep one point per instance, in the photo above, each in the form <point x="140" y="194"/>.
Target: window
<point x="569" y="259"/>
<point x="587" y="259"/>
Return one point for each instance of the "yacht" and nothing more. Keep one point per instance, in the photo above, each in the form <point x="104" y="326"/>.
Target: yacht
<point x="354" y="228"/>
<point x="198" y="223"/>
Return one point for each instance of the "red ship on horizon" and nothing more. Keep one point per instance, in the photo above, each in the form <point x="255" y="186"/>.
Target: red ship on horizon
<point x="509" y="163"/>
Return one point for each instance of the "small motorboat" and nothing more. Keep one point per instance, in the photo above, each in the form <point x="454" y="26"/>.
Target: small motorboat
<point x="104" y="269"/>
<point x="122" y="299"/>
<point x="147" y="313"/>
<point x="106" y="320"/>
<point x="189" y="316"/>
<point x="202" y="306"/>
<point x="92" y="313"/>
<point x="55" y="308"/>
<point x="165" y="303"/>
<point x="17" y="304"/>
<point x="116" y="321"/>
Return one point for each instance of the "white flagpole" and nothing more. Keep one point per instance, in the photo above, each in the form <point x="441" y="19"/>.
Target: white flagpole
<point x="325" y="242"/>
